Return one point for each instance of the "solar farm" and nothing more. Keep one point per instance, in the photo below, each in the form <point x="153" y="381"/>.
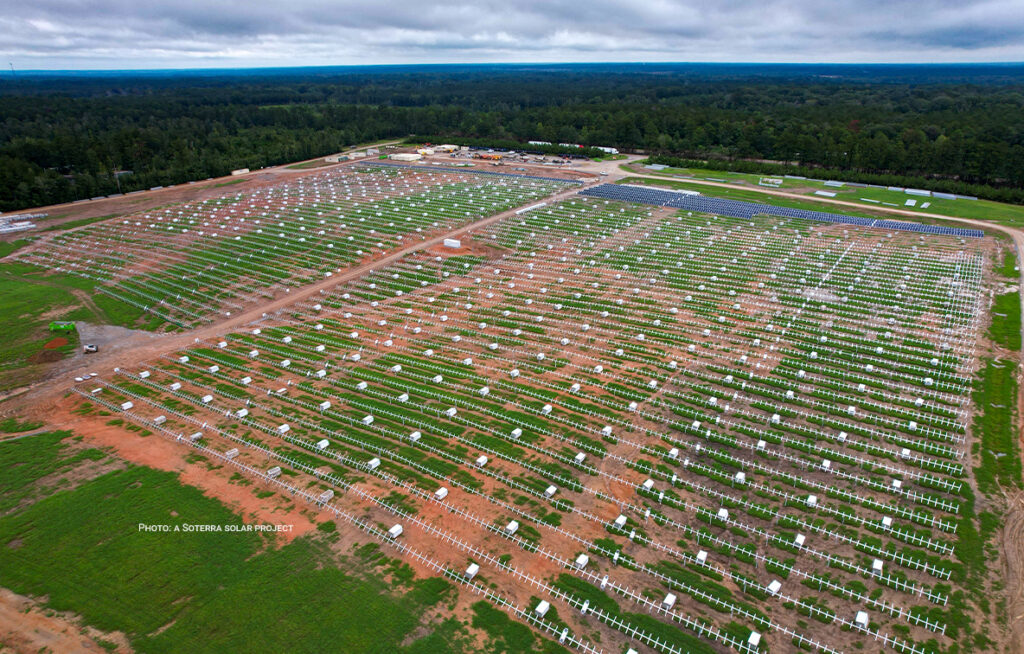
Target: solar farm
<point x="191" y="263"/>
<point x="634" y="422"/>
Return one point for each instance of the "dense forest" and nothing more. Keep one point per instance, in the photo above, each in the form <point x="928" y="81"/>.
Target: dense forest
<point x="958" y="128"/>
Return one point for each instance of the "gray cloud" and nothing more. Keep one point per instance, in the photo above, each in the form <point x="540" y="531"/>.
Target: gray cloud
<point x="57" y="34"/>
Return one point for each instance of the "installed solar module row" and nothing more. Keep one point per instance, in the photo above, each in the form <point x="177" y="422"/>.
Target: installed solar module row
<point x="739" y="209"/>
<point x="390" y="164"/>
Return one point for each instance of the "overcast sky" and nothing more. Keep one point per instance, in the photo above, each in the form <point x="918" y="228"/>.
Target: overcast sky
<point x="84" y="34"/>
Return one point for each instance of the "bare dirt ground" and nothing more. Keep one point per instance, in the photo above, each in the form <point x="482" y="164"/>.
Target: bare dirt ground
<point x="112" y="338"/>
<point x="470" y="247"/>
<point x="1012" y="535"/>
<point x="25" y="627"/>
<point x="156" y="452"/>
<point x="109" y="339"/>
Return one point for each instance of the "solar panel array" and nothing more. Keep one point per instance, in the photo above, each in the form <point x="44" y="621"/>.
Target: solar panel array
<point x="739" y="209"/>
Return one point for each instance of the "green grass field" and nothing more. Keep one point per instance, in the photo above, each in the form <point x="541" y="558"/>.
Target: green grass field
<point x="10" y="247"/>
<point x="25" y="311"/>
<point x="509" y="636"/>
<point x="30" y="298"/>
<point x="1005" y="328"/>
<point x="16" y="426"/>
<point x="25" y="461"/>
<point x="213" y="592"/>
<point x="995" y="399"/>
<point x="1004" y="214"/>
<point x="1008" y="267"/>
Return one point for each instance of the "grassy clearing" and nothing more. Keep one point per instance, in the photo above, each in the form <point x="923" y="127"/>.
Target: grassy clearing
<point x="995" y="397"/>
<point x="1005" y="328"/>
<point x="10" y="247"/>
<point x="1008" y="268"/>
<point x="122" y="314"/>
<point x="30" y="298"/>
<point x="25" y="311"/>
<point x="998" y="467"/>
<point x="15" y="426"/>
<point x="24" y="461"/>
<point x="507" y="635"/>
<point x="214" y="591"/>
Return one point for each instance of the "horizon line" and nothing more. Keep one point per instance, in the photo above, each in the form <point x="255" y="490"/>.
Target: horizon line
<point x="71" y="71"/>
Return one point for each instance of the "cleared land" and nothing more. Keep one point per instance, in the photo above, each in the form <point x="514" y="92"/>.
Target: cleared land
<point x="32" y="297"/>
<point x="679" y="432"/>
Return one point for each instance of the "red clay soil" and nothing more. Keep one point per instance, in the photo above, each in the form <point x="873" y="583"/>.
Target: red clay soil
<point x="60" y="341"/>
<point x="26" y="626"/>
<point x="156" y="452"/>
<point x="46" y="356"/>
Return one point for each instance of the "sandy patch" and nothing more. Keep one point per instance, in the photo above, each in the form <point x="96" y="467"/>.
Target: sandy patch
<point x="27" y="627"/>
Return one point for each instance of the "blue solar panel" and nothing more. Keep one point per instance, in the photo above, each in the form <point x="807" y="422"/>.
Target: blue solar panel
<point x="392" y="164"/>
<point x="738" y="209"/>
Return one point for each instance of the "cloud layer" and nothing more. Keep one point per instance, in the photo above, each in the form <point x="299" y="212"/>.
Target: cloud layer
<point x="83" y="34"/>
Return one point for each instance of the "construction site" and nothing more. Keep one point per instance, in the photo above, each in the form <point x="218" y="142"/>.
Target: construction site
<point x="633" y="418"/>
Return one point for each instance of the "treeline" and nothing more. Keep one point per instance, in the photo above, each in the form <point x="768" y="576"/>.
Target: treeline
<point x="1000" y="194"/>
<point x="958" y="129"/>
<point x="72" y="148"/>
